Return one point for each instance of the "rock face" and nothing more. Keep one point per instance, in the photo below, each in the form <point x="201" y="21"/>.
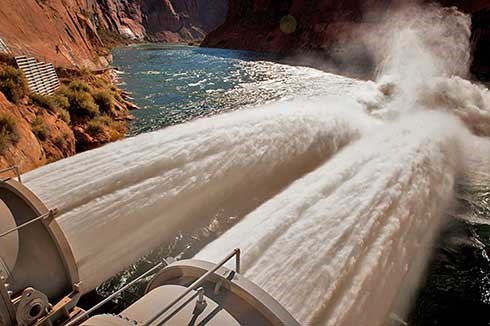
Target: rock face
<point x="87" y="112"/>
<point x="29" y="151"/>
<point x="74" y="32"/>
<point x="325" y="26"/>
<point x="161" y="20"/>
<point x="184" y="20"/>
<point x="56" y="30"/>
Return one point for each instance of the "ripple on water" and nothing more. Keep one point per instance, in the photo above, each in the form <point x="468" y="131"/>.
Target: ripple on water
<point x="175" y="84"/>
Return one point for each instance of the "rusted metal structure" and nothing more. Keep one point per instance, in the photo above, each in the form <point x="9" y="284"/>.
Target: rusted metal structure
<point x="40" y="285"/>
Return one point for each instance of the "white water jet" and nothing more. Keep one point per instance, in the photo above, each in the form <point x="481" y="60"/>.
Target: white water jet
<point x="335" y="247"/>
<point x="121" y="201"/>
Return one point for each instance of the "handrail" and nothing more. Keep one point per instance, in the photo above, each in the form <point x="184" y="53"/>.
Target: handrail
<point x="197" y="283"/>
<point x="199" y="293"/>
<point x="193" y="286"/>
<point x="14" y="168"/>
<point x="51" y="213"/>
<point x="113" y="295"/>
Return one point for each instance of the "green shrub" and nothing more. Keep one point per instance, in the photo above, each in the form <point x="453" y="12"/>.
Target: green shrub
<point x="62" y="107"/>
<point x="116" y="129"/>
<point x="8" y="132"/>
<point x="56" y="104"/>
<point x="105" y="102"/>
<point x="87" y="72"/>
<point x="102" y="83"/>
<point x="61" y="101"/>
<point x="39" y="129"/>
<point x="12" y="83"/>
<point x="63" y="115"/>
<point x="82" y="104"/>
<point x="44" y="101"/>
<point x="62" y="96"/>
<point x="77" y="99"/>
<point x="95" y="127"/>
<point x="78" y="85"/>
<point x="60" y="141"/>
<point x="63" y="91"/>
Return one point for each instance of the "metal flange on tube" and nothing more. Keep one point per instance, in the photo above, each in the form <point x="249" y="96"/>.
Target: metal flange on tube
<point x="38" y="274"/>
<point x="39" y="280"/>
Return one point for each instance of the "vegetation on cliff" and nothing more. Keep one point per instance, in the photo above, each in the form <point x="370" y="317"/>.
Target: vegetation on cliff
<point x="8" y="132"/>
<point x="12" y="83"/>
<point x="87" y="111"/>
<point x="56" y="104"/>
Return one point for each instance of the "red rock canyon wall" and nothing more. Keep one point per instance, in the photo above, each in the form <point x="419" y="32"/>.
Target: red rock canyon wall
<point x="73" y="32"/>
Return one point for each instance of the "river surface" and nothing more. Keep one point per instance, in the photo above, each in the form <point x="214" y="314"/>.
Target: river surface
<point x="322" y="180"/>
<point x="174" y="84"/>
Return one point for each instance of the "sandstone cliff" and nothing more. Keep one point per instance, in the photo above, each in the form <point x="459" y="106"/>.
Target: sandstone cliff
<point x="86" y="112"/>
<point x="29" y="151"/>
<point x="326" y="27"/>
<point x="75" y="32"/>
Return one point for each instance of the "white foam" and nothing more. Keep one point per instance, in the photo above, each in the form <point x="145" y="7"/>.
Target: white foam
<point x="336" y="246"/>
<point x="120" y="201"/>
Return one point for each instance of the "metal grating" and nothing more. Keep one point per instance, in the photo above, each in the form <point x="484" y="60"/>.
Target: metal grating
<point x="3" y="47"/>
<point x="41" y="77"/>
